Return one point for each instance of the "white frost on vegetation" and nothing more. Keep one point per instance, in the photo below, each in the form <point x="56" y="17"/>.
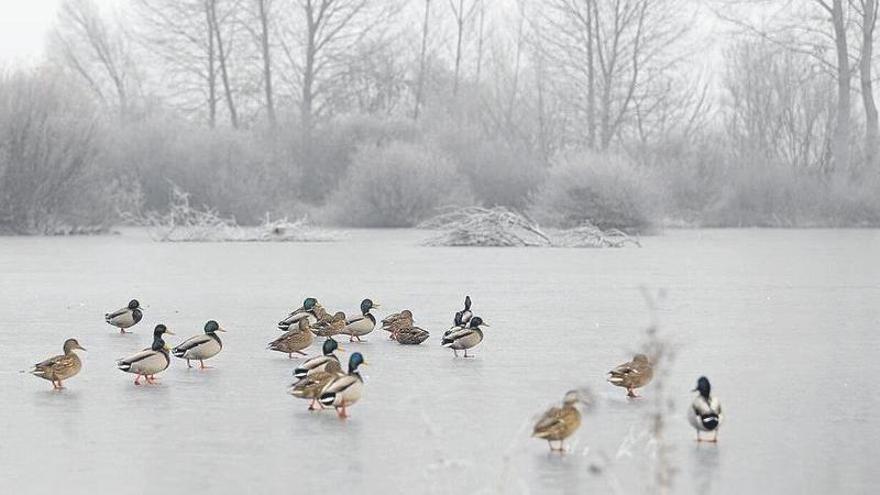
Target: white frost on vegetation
<point x="185" y="223"/>
<point x="500" y="227"/>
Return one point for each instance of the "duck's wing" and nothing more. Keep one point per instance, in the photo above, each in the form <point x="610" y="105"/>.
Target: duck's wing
<point x="388" y="320"/>
<point x="115" y="314"/>
<point x="702" y="407"/>
<point x="551" y="421"/>
<point x="339" y="384"/>
<point x="457" y="334"/>
<point x="354" y="319"/>
<point x="191" y="343"/>
<point x="134" y="358"/>
<point x="57" y="363"/>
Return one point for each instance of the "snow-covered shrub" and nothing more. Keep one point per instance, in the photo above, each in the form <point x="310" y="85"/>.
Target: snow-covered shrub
<point x="396" y="185"/>
<point x="49" y="183"/>
<point x="603" y="190"/>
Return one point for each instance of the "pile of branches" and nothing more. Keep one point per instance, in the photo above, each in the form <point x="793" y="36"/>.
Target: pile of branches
<point x="477" y="226"/>
<point x="590" y="236"/>
<point x="498" y="226"/>
<point x="186" y="223"/>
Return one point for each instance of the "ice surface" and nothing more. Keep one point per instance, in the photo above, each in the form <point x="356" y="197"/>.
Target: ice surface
<point x="785" y="323"/>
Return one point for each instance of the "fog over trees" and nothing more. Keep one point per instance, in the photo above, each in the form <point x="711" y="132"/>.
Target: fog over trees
<point x="637" y="114"/>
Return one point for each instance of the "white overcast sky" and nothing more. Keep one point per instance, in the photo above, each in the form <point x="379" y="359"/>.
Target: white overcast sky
<point x="24" y="25"/>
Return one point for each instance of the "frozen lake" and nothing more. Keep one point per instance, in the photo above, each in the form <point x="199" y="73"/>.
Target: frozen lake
<point x="786" y="324"/>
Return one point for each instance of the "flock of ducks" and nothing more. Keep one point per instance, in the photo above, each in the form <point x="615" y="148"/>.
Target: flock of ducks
<point x="322" y="381"/>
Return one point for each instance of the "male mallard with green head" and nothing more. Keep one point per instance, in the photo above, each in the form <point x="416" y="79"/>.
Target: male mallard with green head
<point x="632" y="375"/>
<point x="705" y="411"/>
<point x="319" y="363"/>
<point x="344" y="390"/>
<point x="465" y="338"/>
<point x="201" y="347"/>
<point x="361" y="325"/>
<point x="558" y="423"/>
<point x="149" y="361"/>
<point x="61" y="367"/>
<point x="294" y="340"/>
<point x="126" y="317"/>
<point x="307" y="311"/>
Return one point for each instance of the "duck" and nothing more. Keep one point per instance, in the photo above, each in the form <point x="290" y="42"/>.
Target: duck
<point x="330" y="326"/>
<point x="126" y="317"/>
<point x="344" y="390"/>
<point x="705" y="411"/>
<point x="201" y="347"/>
<point x="412" y="336"/>
<point x="311" y="385"/>
<point x="294" y="340"/>
<point x="361" y="325"/>
<point x="465" y="338"/>
<point x="149" y="361"/>
<point x="60" y="367"/>
<point x="396" y="322"/>
<point x="307" y="311"/>
<point x="319" y="363"/>
<point x="632" y="375"/>
<point x="464" y="316"/>
<point x="559" y="423"/>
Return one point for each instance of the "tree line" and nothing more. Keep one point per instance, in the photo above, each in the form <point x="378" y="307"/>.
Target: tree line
<point x="570" y="110"/>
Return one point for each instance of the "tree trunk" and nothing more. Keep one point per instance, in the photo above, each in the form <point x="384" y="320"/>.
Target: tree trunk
<point x="224" y="73"/>
<point x="420" y="84"/>
<point x="212" y="74"/>
<point x="840" y="144"/>
<point x="306" y="103"/>
<point x="591" y="82"/>
<point x="459" y="21"/>
<point x="872" y="134"/>
<point x="267" y="63"/>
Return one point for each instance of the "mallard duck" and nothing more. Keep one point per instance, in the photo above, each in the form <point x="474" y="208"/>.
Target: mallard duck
<point x="330" y="326"/>
<point x="307" y="311"/>
<point x="319" y="363"/>
<point x="558" y="423"/>
<point x="344" y="390"/>
<point x="705" y="412"/>
<point x="294" y="340"/>
<point x="412" y="336"/>
<point x="361" y="325"/>
<point x="60" y="367"/>
<point x="396" y="322"/>
<point x="633" y="374"/>
<point x="201" y="347"/>
<point x="126" y="317"/>
<point x="311" y="385"/>
<point x="465" y="338"/>
<point x="149" y="361"/>
<point x="464" y="316"/>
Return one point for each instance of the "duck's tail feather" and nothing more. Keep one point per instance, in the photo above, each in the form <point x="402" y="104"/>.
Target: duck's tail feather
<point x="327" y="398"/>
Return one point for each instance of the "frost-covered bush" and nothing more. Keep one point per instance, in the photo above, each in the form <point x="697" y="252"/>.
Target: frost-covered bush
<point x="500" y="173"/>
<point x="49" y="182"/>
<point x="236" y="173"/>
<point x="778" y="196"/>
<point x="396" y="185"/>
<point x="603" y="190"/>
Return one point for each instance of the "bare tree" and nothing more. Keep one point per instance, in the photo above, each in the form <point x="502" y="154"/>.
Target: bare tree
<point x="263" y="12"/>
<point x="423" y="53"/>
<point x="867" y="21"/>
<point x="216" y="24"/>
<point x="194" y="39"/>
<point x="96" y="52"/>
<point x="462" y="12"/>
<point x="327" y="33"/>
<point x="603" y="52"/>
